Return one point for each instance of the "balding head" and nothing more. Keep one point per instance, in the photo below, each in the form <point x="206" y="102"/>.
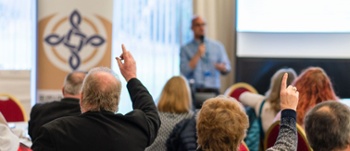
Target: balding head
<point x="327" y="126"/>
<point x="101" y="91"/>
<point x="72" y="84"/>
<point x="198" y="27"/>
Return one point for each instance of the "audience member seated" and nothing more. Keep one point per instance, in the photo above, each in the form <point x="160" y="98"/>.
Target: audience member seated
<point x="174" y="105"/>
<point x="222" y="122"/>
<point x="8" y="140"/>
<point x="183" y="137"/>
<point x="43" y="113"/>
<point x="314" y="87"/>
<point x="327" y="126"/>
<point x="271" y="105"/>
<point x="99" y="127"/>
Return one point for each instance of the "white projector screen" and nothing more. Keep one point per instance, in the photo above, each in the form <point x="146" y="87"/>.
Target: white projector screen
<point x="293" y="29"/>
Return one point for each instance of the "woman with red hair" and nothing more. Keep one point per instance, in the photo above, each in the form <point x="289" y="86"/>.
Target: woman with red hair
<point x="314" y="86"/>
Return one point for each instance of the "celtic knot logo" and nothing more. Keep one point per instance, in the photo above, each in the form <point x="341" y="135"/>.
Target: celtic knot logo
<point x="75" y="20"/>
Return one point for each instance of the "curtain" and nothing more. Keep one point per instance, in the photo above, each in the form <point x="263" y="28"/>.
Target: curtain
<point x="153" y="31"/>
<point x="17" y="34"/>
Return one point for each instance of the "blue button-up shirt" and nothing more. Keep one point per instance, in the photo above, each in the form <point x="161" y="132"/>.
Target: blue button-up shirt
<point x="205" y="75"/>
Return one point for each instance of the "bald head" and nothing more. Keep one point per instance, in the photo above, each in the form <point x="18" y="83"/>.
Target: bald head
<point x="72" y="83"/>
<point x="327" y="126"/>
<point x="101" y="91"/>
<point x="104" y="80"/>
<point x="198" y="27"/>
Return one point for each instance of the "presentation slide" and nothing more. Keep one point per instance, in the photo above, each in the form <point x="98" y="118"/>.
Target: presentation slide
<point x="293" y="29"/>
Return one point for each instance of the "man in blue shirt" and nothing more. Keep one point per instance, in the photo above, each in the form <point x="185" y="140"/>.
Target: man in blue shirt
<point x="203" y="60"/>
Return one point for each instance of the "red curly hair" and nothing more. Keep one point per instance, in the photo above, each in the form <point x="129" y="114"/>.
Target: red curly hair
<point x="314" y="86"/>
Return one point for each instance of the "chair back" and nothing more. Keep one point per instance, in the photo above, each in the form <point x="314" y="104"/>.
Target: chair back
<point x="201" y="97"/>
<point x="243" y="147"/>
<point x="11" y="108"/>
<point x="272" y="133"/>
<point x="23" y="147"/>
<point x="238" y="88"/>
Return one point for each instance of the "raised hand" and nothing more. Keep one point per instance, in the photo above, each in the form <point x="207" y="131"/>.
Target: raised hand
<point x="127" y="64"/>
<point x="289" y="95"/>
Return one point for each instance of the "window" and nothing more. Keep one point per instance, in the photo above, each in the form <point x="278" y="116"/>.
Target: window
<point x="153" y="31"/>
<point x="17" y="34"/>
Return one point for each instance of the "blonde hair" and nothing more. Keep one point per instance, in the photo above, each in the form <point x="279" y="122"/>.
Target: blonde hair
<point x="221" y="124"/>
<point x="273" y="94"/>
<point x="175" y="96"/>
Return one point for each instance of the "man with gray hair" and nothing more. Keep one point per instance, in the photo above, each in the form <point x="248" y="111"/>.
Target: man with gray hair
<point x="43" y="113"/>
<point x="98" y="127"/>
<point x="327" y="126"/>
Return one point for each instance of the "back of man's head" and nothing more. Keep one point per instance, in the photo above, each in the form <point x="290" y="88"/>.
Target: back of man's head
<point x="101" y="91"/>
<point x="73" y="82"/>
<point x="327" y="126"/>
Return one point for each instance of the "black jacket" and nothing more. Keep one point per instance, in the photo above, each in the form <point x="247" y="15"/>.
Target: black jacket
<point x="183" y="137"/>
<point x="43" y="113"/>
<point x="105" y="131"/>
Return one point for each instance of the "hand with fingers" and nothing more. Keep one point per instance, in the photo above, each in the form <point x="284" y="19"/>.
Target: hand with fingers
<point x="289" y="95"/>
<point x="127" y="64"/>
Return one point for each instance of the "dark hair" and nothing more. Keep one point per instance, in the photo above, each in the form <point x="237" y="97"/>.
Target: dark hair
<point x="327" y="126"/>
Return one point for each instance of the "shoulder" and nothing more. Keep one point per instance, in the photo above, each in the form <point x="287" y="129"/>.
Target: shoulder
<point x="172" y="118"/>
<point x="214" y="42"/>
<point x="68" y="100"/>
<point x="39" y="105"/>
<point x="56" y="105"/>
<point x="44" y="106"/>
<point x="62" y="121"/>
<point x="249" y="96"/>
<point x="188" y="44"/>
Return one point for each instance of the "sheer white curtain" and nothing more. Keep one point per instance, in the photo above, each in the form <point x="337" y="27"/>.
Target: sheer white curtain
<point x="153" y="31"/>
<point x="17" y="34"/>
<point x="17" y="48"/>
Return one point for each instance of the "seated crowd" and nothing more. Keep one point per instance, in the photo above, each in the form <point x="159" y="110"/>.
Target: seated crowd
<point x="86" y="118"/>
<point x="98" y="127"/>
<point x="43" y="113"/>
